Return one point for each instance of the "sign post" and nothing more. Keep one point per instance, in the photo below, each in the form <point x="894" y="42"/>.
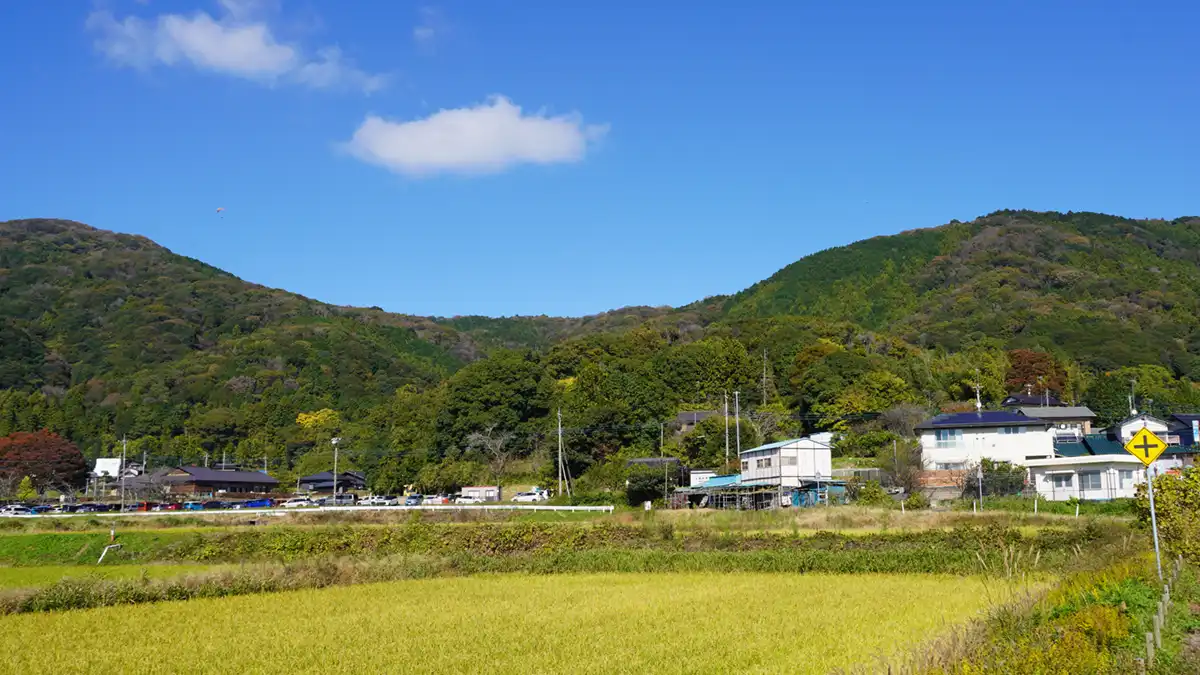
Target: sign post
<point x="1147" y="447"/>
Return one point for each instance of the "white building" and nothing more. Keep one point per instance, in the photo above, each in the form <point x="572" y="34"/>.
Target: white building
<point x="1131" y="425"/>
<point x="790" y="463"/>
<point x="488" y="493"/>
<point x="959" y="440"/>
<point x="1095" y="477"/>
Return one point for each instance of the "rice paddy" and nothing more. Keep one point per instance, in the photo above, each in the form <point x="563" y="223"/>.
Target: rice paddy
<point x="588" y="623"/>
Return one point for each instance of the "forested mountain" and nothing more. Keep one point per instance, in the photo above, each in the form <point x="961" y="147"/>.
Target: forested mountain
<point x="105" y="335"/>
<point x="1104" y="290"/>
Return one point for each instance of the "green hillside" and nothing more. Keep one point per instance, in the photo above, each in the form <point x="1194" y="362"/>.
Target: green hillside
<point x="105" y="335"/>
<point x="1104" y="290"/>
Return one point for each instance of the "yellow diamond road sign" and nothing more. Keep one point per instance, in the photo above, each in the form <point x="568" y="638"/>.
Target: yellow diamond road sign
<point x="1145" y="446"/>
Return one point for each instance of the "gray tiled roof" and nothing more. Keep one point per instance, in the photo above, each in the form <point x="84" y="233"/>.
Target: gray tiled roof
<point x="1057" y="412"/>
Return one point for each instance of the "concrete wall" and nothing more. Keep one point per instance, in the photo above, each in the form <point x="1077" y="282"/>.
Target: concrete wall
<point x="978" y="443"/>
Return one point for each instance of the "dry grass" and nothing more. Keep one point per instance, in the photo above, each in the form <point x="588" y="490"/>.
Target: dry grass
<point x="603" y="623"/>
<point x="29" y="577"/>
<point x="848" y="519"/>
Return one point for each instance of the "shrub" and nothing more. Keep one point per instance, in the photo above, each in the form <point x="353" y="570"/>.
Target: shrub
<point x="916" y="500"/>
<point x="873" y="494"/>
<point x="1176" y="501"/>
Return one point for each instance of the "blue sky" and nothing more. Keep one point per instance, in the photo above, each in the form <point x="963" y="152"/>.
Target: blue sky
<point x="499" y="158"/>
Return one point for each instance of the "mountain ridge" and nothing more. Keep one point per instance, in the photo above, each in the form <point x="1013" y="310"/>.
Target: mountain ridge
<point x="104" y="334"/>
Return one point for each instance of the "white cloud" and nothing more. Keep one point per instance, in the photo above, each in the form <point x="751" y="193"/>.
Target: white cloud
<point x="424" y="34"/>
<point x="485" y="138"/>
<point x="233" y="44"/>
<point x="431" y="26"/>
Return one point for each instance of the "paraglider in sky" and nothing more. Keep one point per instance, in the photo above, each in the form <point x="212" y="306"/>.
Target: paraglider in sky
<point x="220" y="209"/>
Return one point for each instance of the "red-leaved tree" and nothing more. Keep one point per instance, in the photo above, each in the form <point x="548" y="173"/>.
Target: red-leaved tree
<point x="1037" y="370"/>
<point x="49" y="460"/>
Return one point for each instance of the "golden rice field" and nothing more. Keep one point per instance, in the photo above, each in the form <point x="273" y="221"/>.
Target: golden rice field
<point x="600" y="623"/>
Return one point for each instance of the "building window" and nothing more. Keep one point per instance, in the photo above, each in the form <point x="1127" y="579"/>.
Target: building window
<point x="948" y="466"/>
<point x="948" y="438"/>
<point x="764" y="463"/>
<point x="788" y="461"/>
<point x="745" y="465"/>
<point x="1061" y="480"/>
<point x="1012" y="430"/>
<point x="1089" y="480"/>
<point x="1126" y="478"/>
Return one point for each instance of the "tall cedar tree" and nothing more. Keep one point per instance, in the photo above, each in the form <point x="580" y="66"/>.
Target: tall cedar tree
<point x="49" y="460"/>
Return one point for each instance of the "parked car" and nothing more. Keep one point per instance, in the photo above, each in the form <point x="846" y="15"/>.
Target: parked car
<point x="215" y="505"/>
<point x="529" y="497"/>
<point x="467" y="499"/>
<point x="193" y="506"/>
<point x="37" y="510"/>
<point x="255" y="504"/>
<point x="341" y="499"/>
<point x="435" y="499"/>
<point x="16" y="510"/>
<point x="65" y="508"/>
<point x="380" y="500"/>
<point x="149" y="506"/>
<point x="91" y="508"/>
<point x="298" y="502"/>
<point x="413" y="500"/>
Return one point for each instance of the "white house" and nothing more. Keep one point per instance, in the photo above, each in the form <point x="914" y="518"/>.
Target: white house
<point x="790" y="463"/>
<point x="958" y="440"/>
<point x="1096" y="477"/>
<point x="1131" y="425"/>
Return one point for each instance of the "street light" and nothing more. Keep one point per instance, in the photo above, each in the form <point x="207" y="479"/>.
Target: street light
<point x="335" y="440"/>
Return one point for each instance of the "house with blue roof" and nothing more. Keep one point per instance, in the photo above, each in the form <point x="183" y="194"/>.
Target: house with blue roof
<point x="957" y="441"/>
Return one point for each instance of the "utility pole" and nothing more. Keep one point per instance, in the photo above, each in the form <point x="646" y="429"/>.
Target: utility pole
<point x="124" y="446"/>
<point x="1132" y="394"/>
<point x="560" y="453"/>
<point x="979" y="477"/>
<point x="335" y="441"/>
<point x="764" y="381"/>
<point x="145" y="466"/>
<point x="737" y="422"/>
<point x="663" y="457"/>
<point x="978" y="400"/>
<point x="264" y="463"/>
<point x="725" y="396"/>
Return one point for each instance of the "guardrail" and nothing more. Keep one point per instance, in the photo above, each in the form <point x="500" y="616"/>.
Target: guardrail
<point x="275" y="511"/>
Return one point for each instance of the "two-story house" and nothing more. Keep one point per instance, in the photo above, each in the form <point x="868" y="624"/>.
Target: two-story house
<point x="956" y="441"/>
<point x="790" y="463"/>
